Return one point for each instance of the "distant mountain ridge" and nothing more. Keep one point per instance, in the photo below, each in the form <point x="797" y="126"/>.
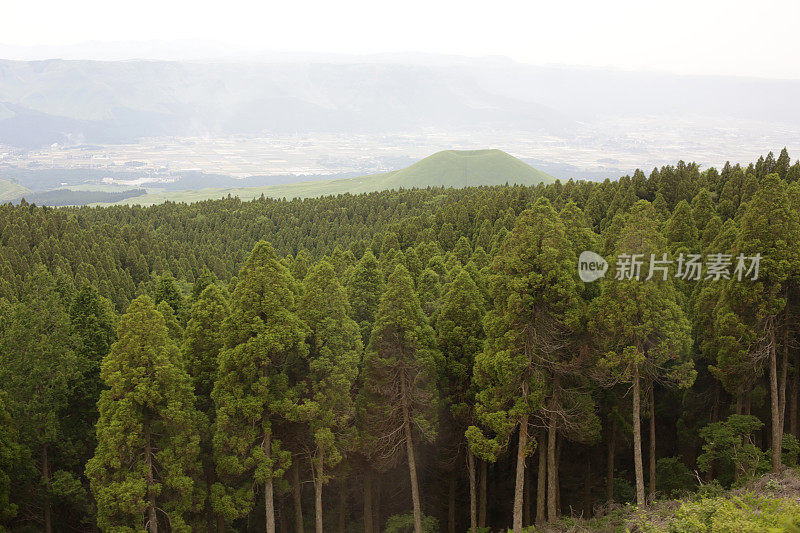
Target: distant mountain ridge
<point x="78" y="101"/>
<point x="449" y="168"/>
<point x="43" y="102"/>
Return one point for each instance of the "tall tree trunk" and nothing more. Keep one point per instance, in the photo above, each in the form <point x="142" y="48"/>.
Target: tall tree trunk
<point x="483" y="494"/>
<point x="714" y="417"/>
<point x="527" y="515"/>
<point x="652" y="495"/>
<point x="152" y="520"/>
<point x="519" y="482"/>
<point x="283" y="526"/>
<point x="297" y="496"/>
<point x="611" y="460"/>
<point x="541" y="482"/>
<point x="412" y="464"/>
<point x="269" y="500"/>
<point x="783" y="379"/>
<point x="473" y="487"/>
<point x="637" y="439"/>
<point x="451" y="504"/>
<point x="342" y="507"/>
<point x="376" y="505"/>
<point x="793" y="393"/>
<point x="559" y="447"/>
<point x="318" y="479"/>
<point x="48" y="527"/>
<point x="774" y="403"/>
<point x="552" y="466"/>
<point x="368" y="526"/>
<point x="587" y="487"/>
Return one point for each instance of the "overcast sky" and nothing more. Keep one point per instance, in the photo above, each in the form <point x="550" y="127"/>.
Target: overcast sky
<point x="754" y="38"/>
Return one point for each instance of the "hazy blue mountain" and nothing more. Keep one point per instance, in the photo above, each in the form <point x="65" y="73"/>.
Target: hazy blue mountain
<point x="55" y="101"/>
<point x="42" y="102"/>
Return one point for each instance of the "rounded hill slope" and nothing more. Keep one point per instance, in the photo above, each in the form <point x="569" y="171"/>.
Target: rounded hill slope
<point x="466" y="168"/>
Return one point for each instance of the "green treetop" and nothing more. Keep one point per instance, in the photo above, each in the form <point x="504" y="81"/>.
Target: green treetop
<point x="681" y="230"/>
<point x="335" y="352"/>
<point x="203" y="340"/>
<point x="364" y="290"/>
<point x="94" y="325"/>
<point x="703" y="209"/>
<point x="460" y="336"/>
<point x="644" y="330"/>
<point x="429" y="289"/>
<point x="399" y="397"/>
<point x="10" y="455"/>
<point x="769" y="227"/>
<point x="258" y="384"/>
<point x="536" y="305"/>
<point x="202" y="343"/>
<point x="167" y="291"/>
<point x="145" y="469"/>
<point x="171" y="321"/>
<point x="39" y="364"/>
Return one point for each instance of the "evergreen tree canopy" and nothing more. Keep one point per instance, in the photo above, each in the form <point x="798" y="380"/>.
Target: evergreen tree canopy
<point x="335" y="352"/>
<point x="144" y="469"/>
<point x="260" y="381"/>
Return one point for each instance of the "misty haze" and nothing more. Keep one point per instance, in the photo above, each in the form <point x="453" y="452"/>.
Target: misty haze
<point x="191" y="125"/>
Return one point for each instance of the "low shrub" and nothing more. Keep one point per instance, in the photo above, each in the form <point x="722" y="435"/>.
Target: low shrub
<point x="742" y="513"/>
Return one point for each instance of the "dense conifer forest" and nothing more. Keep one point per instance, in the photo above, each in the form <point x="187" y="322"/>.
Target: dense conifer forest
<point x="412" y="360"/>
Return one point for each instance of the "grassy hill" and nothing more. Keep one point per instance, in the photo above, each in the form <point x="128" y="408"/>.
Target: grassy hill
<point x="11" y="191"/>
<point x="450" y="168"/>
<point x="453" y="168"/>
